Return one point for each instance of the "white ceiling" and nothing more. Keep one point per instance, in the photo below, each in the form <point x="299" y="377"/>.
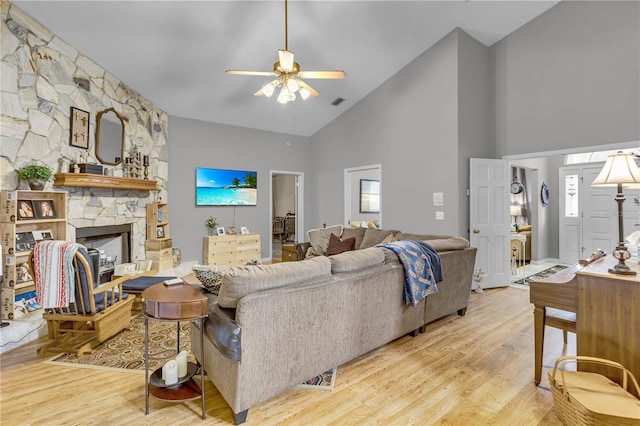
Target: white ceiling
<point x="175" y="53"/>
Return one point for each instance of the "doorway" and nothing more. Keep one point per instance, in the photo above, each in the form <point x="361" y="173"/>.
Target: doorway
<point x="363" y="195"/>
<point x="287" y="210"/>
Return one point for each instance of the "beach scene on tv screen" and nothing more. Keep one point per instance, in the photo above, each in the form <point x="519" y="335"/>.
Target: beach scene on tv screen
<point x="218" y="187"/>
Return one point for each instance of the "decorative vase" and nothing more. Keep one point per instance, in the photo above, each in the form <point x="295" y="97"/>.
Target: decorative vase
<point x="37" y="184"/>
<point x="212" y="232"/>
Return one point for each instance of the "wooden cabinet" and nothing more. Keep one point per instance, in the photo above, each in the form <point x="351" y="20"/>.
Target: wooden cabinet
<point x="231" y="250"/>
<point x="158" y="246"/>
<point x="289" y="253"/>
<point x="25" y="218"/>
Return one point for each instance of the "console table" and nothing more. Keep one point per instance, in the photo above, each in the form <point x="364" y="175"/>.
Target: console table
<point x="177" y="303"/>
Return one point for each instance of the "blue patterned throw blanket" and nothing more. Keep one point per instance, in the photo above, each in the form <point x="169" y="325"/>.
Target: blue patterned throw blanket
<point x="422" y="268"/>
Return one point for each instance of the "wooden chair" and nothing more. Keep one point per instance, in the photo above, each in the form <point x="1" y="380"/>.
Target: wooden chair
<point x="98" y="313"/>
<point x="557" y="318"/>
<point x="278" y="228"/>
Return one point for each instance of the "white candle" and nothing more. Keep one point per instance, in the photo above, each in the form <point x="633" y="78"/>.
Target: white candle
<point x="182" y="363"/>
<point x="170" y="372"/>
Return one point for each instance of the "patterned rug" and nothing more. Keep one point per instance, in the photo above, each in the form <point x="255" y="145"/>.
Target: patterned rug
<point x="124" y="352"/>
<point x="324" y="381"/>
<point x="539" y="275"/>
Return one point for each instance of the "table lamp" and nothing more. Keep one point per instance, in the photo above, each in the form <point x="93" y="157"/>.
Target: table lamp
<point x="619" y="169"/>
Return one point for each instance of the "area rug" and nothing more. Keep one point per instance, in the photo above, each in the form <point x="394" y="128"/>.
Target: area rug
<point x="324" y="381"/>
<point x="540" y="275"/>
<point x="124" y="352"/>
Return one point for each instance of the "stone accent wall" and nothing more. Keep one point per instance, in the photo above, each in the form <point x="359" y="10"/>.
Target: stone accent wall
<point x="42" y="77"/>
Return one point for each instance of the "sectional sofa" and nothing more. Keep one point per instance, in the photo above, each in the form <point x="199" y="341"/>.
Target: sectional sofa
<point x="272" y="327"/>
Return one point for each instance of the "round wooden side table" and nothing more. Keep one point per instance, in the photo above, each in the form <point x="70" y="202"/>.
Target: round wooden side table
<point x="180" y="302"/>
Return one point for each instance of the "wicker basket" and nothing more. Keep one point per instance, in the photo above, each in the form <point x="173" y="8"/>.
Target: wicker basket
<point x="582" y="398"/>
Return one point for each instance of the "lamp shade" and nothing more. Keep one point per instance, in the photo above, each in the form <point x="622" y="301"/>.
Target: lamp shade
<point x="619" y="168"/>
<point x="516" y="209"/>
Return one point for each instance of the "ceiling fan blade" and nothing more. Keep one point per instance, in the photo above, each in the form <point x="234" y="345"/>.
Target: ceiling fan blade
<point x="322" y="74"/>
<point x="258" y="73"/>
<point x="311" y="90"/>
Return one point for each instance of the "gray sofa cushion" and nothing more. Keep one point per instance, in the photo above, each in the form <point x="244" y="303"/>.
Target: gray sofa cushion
<point x="242" y="280"/>
<point x="420" y="237"/>
<point x="437" y="242"/>
<point x="357" y="260"/>
<point x="448" y="244"/>
<point x="374" y="236"/>
<point x="357" y="233"/>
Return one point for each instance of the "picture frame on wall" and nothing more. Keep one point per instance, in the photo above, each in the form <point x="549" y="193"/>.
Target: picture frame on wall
<point x="369" y="196"/>
<point x="79" y="134"/>
<point x="44" y="209"/>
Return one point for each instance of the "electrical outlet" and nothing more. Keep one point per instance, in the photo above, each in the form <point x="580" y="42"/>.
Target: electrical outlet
<point x="439" y="215"/>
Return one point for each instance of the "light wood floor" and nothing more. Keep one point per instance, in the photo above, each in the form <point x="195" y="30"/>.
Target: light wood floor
<point x="471" y="370"/>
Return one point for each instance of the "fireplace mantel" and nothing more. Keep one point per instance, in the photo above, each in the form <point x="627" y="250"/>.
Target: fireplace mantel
<point x="87" y="180"/>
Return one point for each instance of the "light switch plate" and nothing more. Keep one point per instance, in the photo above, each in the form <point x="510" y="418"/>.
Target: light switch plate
<point x="439" y="215"/>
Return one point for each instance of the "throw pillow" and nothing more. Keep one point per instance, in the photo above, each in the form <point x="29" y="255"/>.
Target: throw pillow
<point x="389" y="239"/>
<point x="357" y="233"/>
<point x="337" y="246"/>
<point x="210" y="276"/>
<point x="375" y="236"/>
<point x="319" y="239"/>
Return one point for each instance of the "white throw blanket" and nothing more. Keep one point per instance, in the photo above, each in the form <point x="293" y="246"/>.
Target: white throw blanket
<point x="54" y="273"/>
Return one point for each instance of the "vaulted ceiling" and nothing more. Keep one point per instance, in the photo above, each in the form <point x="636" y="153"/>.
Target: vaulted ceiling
<point x="175" y="53"/>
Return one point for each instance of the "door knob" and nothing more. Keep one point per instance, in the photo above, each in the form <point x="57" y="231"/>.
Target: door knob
<point x="476" y="231"/>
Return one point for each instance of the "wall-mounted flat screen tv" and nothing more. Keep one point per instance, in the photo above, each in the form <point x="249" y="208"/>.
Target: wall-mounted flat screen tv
<point x="219" y="187"/>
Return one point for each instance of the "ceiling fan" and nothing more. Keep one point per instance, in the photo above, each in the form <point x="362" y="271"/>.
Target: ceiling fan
<point x="289" y="77"/>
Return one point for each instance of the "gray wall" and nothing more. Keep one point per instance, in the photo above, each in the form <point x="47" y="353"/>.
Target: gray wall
<point x="202" y="144"/>
<point x="409" y="125"/>
<point x="476" y="114"/>
<point x="569" y="78"/>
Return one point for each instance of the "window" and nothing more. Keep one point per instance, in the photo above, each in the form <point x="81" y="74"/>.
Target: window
<point x="571" y="196"/>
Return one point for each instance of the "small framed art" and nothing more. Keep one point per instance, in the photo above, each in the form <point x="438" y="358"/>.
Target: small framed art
<point x="244" y="230"/>
<point x="44" y="209"/>
<point x="160" y="232"/>
<point x="25" y="210"/>
<point x="220" y="230"/>
<point x="232" y="230"/>
<point x="79" y="134"/>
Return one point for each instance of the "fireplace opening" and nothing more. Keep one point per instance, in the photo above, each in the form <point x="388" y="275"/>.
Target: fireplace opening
<point x="113" y="243"/>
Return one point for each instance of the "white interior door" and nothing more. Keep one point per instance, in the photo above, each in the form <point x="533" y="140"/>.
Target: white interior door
<point x="489" y="219"/>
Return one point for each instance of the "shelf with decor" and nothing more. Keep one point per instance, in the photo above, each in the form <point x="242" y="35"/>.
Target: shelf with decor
<point x="26" y="217"/>
<point x="158" y="246"/>
<point x="89" y="180"/>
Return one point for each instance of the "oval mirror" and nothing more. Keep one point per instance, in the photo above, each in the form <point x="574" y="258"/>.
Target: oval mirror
<point x="109" y="137"/>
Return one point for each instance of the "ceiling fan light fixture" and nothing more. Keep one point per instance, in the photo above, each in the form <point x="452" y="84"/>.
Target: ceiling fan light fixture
<point x="286" y="60"/>
<point x="292" y="85"/>
<point x="268" y="89"/>
<point x="304" y="93"/>
<point x="283" y="96"/>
